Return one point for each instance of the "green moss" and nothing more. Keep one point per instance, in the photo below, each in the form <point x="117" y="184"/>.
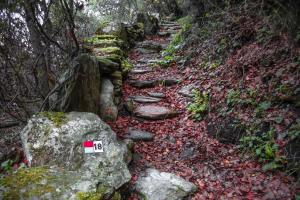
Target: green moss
<point x="113" y="57"/>
<point x="117" y="196"/>
<point x="58" y="118"/>
<point x="167" y="61"/>
<point x="186" y="23"/>
<point x="126" y="66"/>
<point x="108" y="37"/>
<point x="26" y="183"/>
<point x="89" y="196"/>
<point x="109" y="50"/>
<point x="199" y="105"/>
<point x="173" y="45"/>
<point x="117" y="75"/>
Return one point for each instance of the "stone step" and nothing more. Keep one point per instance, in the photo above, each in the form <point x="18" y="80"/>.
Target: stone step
<point x="186" y="90"/>
<point x="156" y="94"/>
<point x="140" y="71"/>
<point x="144" y="99"/>
<point x="152" y="83"/>
<point x="143" y="84"/>
<point x="163" y="34"/>
<point x="147" y="51"/>
<point x="139" y="135"/>
<point x="152" y="112"/>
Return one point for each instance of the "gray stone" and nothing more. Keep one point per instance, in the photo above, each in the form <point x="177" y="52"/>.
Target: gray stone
<point x="188" y="152"/>
<point x="144" y="99"/>
<point x="139" y="135"/>
<point x="107" y="66"/>
<point x="60" y="147"/>
<point x="170" y="82"/>
<point x="155" y="185"/>
<point x="151" y="45"/>
<point x="146" y="51"/>
<point x="156" y="94"/>
<point x="155" y="112"/>
<point x="140" y="71"/>
<point x="187" y="90"/>
<point x="163" y="34"/>
<point x="143" y="83"/>
<point x="108" y="110"/>
<point x="150" y="22"/>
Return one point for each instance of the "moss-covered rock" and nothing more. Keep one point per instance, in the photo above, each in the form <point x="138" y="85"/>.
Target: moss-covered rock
<point x="58" y="118"/>
<point x="126" y="66"/>
<point x="117" y="75"/>
<point x="106" y="65"/>
<point x="81" y="83"/>
<point x="28" y="183"/>
<point x="113" y="57"/>
<point x="61" y="148"/>
<point x="108" y="50"/>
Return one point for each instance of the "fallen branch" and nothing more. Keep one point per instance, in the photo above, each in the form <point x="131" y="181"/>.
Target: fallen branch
<point x="9" y="124"/>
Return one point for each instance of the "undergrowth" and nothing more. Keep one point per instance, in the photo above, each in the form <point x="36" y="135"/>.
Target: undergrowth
<point x="199" y="106"/>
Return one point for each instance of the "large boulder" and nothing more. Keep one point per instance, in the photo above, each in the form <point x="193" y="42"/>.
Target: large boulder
<point x="79" y="87"/>
<point x="150" y="22"/>
<point x="108" y="110"/>
<point x="128" y="33"/>
<point x="60" y="169"/>
<point x="156" y="185"/>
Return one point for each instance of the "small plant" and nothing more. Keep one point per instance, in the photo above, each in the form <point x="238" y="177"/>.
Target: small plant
<point x="185" y="23"/>
<point x="264" y="34"/>
<point x="173" y="45"/>
<point x="233" y="97"/>
<point x="294" y="131"/>
<point x="264" y="148"/>
<point x="247" y="97"/>
<point x="167" y="61"/>
<point x="199" y="105"/>
<point x="263" y="106"/>
<point x="7" y="165"/>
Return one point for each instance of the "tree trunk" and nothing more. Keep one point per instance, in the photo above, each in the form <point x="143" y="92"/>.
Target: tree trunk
<point x="38" y="47"/>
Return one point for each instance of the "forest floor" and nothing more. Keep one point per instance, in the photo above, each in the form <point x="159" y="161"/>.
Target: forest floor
<point x="182" y="146"/>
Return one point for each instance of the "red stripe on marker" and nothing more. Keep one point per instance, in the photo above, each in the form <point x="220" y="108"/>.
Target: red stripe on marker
<point x="88" y="144"/>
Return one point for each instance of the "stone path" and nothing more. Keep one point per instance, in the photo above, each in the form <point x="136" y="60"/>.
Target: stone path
<point x="166" y="139"/>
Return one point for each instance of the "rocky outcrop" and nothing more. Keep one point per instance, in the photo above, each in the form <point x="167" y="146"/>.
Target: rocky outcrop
<point x="108" y="110"/>
<point x="60" y="169"/>
<point x="78" y="88"/>
<point x="155" y="185"/>
<point x="150" y="23"/>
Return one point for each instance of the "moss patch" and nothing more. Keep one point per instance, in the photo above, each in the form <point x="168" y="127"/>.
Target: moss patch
<point x="109" y="50"/>
<point x="58" y="118"/>
<point x="108" y="37"/>
<point x="26" y="183"/>
<point x="126" y="66"/>
<point x="89" y="196"/>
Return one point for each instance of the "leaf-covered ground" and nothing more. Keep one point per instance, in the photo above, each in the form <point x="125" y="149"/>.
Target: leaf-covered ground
<point x="182" y="146"/>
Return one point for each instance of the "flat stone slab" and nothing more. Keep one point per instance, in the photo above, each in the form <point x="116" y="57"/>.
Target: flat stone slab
<point x="144" y="99"/>
<point x="152" y="112"/>
<point x="163" y="34"/>
<point x="186" y="90"/>
<point x="143" y="83"/>
<point x="139" y="135"/>
<point x="156" y="185"/>
<point x="147" y="51"/>
<point x="156" y="94"/>
<point x="169" y="81"/>
<point x="140" y="71"/>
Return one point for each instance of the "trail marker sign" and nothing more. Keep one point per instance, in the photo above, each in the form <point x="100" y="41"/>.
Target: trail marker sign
<point x="93" y="146"/>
